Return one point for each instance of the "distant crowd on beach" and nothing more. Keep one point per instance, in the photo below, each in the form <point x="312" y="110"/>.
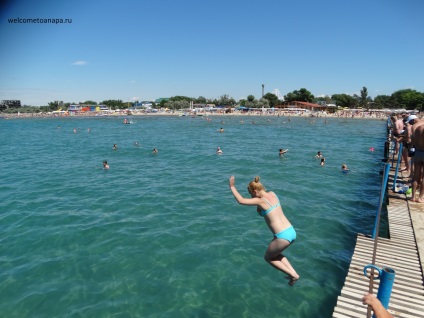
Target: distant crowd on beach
<point x="355" y="114"/>
<point x="407" y="133"/>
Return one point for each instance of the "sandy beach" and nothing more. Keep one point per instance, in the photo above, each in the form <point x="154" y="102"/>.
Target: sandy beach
<point x="339" y="114"/>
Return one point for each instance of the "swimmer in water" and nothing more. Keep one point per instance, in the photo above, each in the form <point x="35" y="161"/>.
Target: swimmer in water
<point x="219" y="151"/>
<point x="115" y="147"/>
<point x="155" y="151"/>
<point x="322" y="161"/>
<point x="105" y="165"/>
<point x="282" y="152"/>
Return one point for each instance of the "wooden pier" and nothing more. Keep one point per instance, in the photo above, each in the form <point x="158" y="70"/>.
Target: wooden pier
<point x="403" y="252"/>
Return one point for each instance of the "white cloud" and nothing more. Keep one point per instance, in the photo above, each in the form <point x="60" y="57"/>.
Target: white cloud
<point x="135" y="98"/>
<point x="79" y="63"/>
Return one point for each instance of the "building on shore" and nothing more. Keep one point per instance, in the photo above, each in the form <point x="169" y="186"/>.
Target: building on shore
<point x="5" y="104"/>
<point x="87" y="108"/>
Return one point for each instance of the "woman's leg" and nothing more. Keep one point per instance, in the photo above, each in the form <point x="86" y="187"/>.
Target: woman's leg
<point x="274" y="257"/>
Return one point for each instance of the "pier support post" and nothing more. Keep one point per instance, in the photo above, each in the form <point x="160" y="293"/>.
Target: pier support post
<point x="386" y="284"/>
<point x="387" y="278"/>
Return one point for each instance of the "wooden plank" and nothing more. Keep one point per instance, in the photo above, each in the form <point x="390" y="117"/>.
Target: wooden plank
<point x="350" y="313"/>
<point x="400" y="273"/>
<point x="383" y="253"/>
<point x="386" y="242"/>
<point x="351" y="292"/>
<point x="413" y="254"/>
<point x="357" y="272"/>
<point x="415" y="283"/>
<point x="386" y="260"/>
<point x="389" y="248"/>
<point x="392" y="258"/>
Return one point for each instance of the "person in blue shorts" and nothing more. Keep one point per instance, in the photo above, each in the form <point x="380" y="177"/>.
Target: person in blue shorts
<point x="269" y="207"/>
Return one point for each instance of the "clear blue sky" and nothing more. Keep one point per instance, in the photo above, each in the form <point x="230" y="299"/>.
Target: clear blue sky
<point x="122" y="49"/>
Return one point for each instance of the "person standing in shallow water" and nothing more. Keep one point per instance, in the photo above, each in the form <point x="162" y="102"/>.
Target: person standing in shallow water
<point x="268" y="205"/>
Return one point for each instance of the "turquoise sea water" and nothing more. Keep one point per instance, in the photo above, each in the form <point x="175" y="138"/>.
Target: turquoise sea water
<point x="161" y="235"/>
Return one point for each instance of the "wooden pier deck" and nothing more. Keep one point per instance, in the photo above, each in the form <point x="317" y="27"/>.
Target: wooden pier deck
<point x="403" y="252"/>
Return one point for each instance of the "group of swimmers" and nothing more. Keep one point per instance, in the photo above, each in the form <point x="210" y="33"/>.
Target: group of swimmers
<point x="319" y="155"/>
<point x="115" y="147"/>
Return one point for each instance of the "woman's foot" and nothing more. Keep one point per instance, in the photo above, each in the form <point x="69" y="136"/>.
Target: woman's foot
<point x="292" y="280"/>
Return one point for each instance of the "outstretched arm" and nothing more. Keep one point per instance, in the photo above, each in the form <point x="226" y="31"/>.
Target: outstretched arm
<point x="239" y="198"/>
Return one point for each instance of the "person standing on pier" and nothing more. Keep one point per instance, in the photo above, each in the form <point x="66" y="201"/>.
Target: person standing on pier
<point x="397" y="129"/>
<point x="268" y="205"/>
<point x="418" y="158"/>
<point x="406" y="142"/>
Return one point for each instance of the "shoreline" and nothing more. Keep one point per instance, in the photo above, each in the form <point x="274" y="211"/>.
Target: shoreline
<point x="339" y="114"/>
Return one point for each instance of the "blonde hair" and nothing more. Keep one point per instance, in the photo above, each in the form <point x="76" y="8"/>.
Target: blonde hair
<point x="255" y="185"/>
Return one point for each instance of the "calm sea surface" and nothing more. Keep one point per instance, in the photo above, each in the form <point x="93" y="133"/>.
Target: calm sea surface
<point x="161" y="235"/>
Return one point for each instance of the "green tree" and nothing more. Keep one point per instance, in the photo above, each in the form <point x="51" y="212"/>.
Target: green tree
<point x="114" y="103"/>
<point x="272" y="99"/>
<point x="323" y="100"/>
<point x="344" y="100"/>
<point x="200" y="100"/>
<point x="226" y="100"/>
<point x="24" y="109"/>
<point x="177" y="104"/>
<point x="90" y="102"/>
<point x="181" y="98"/>
<point x="262" y="103"/>
<point x="302" y="95"/>
<point x="363" y="99"/>
<point x="382" y="101"/>
<point x="55" y="105"/>
<point x="408" y="99"/>
<point x="250" y="98"/>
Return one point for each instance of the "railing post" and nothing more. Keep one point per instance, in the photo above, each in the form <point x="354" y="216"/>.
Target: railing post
<point x="387" y="278"/>
<point x="386" y="284"/>
<point x="397" y="166"/>
<point x="380" y="203"/>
